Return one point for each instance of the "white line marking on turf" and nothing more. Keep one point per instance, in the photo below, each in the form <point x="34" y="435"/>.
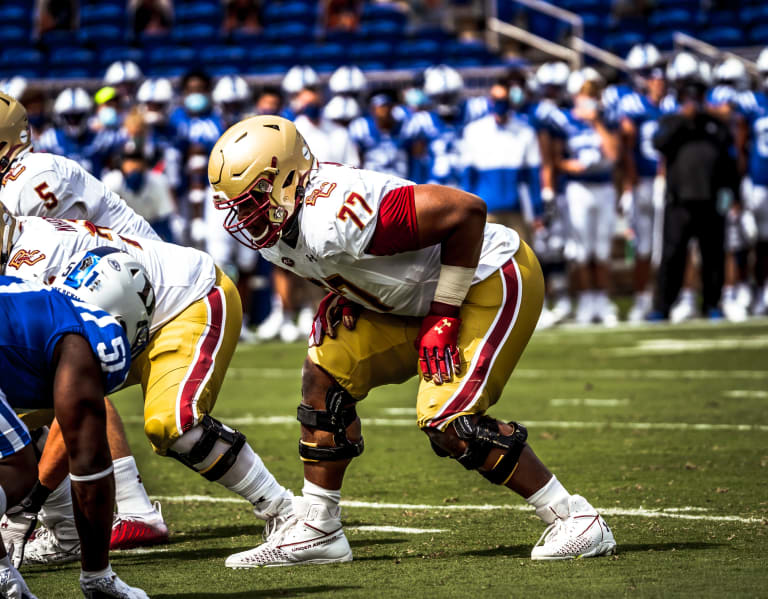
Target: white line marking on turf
<point x="537" y="373"/>
<point x="680" y="513"/>
<point x="675" y="346"/>
<point x="400" y="529"/>
<point x="250" y="420"/>
<point x="589" y="402"/>
<point x="746" y="394"/>
<point x="400" y="411"/>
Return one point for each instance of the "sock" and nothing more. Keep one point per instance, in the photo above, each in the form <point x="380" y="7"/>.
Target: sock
<point x="96" y="574"/>
<point x="58" y="506"/>
<point x="130" y="495"/>
<point x="551" y="501"/>
<point x="330" y="499"/>
<point x="249" y="478"/>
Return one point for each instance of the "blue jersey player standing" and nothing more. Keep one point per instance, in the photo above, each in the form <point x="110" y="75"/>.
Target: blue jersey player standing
<point x="66" y="354"/>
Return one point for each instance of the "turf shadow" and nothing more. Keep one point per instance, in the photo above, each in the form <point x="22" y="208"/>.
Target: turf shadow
<point x="677" y="546"/>
<point x="510" y="550"/>
<point x="261" y="593"/>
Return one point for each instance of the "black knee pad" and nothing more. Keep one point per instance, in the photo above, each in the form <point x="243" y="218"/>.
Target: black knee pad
<point x="481" y="438"/>
<point x="213" y="430"/>
<point x="334" y="419"/>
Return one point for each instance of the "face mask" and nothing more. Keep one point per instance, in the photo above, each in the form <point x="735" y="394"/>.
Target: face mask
<point x="311" y="111"/>
<point x="108" y="116"/>
<point x="196" y="102"/>
<point x="516" y="95"/>
<point x="134" y="180"/>
<point x="500" y="107"/>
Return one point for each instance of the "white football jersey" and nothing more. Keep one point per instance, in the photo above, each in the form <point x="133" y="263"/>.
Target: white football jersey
<point x="56" y="187"/>
<point x="336" y="225"/>
<point x="179" y="275"/>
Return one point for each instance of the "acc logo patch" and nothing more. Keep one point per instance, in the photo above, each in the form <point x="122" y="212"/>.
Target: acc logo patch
<point x="25" y="257"/>
<point x="287" y="261"/>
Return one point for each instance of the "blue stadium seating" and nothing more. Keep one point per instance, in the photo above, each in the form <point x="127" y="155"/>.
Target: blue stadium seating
<point x="620" y="42"/>
<point x="222" y="55"/>
<point x="666" y="19"/>
<point x="11" y="14"/>
<point x="23" y="57"/>
<point x="197" y="12"/>
<point x="269" y="54"/>
<point x="383" y="12"/>
<point x="195" y="33"/>
<point x="172" y="56"/>
<point x="14" y="35"/>
<point x="313" y="54"/>
<point x="76" y="58"/>
<point x="91" y="14"/>
<point x="664" y="39"/>
<point x="288" y="31"/>
<point x="166" y="70"/>
<point x="424" y="49"/>
<point x="385" y="30"/>
<point x="70" y="72"/>
<point x="101" y="35"/>
<point x="112" y="53"/>
<point x="371" y="51"/>
<point x="759" y="35"/>
<point x="723" y="36"/>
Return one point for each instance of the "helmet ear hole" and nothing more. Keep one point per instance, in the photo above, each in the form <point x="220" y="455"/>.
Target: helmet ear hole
<point x="289" y="179"/>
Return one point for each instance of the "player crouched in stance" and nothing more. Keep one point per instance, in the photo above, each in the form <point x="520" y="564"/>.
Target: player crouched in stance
<point x="419" y="280"/>
<point x="65" y="354"/>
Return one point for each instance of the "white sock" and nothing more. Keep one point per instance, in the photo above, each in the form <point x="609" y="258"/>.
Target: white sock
<point x="249" y="478"/>
<point x="551" y="501"/>
<point x="58" y="506"/>
<point x="130" y="495"/>
<point x="330" y="499"/>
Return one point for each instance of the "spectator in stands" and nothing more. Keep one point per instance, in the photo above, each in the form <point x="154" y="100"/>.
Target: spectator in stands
<point x="242" y="15"/>
<point x="146" y="191"/>
<point x="702" y="180"/>
<point x="587" y="152"/>
<point x="379" y="136"/>
<point x="55" y="15"/>
<point x="151" y="16"/>
<point x="343" y="14"/>
<point x="501" y="159"/>
<point x="268" y="101"/>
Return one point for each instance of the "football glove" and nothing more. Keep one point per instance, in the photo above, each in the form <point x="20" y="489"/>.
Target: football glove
<point x="109" y="585"/>
<point x="20" y="520"/>
<point x="333" y="309"/>
<point x="12" y="585"/>
<point x="437" y="344"/>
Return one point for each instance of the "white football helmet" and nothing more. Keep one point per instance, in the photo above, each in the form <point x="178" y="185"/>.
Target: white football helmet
<point x="14" y="86"/>
<point x="72" y="109"/>
<point x="762" y="66"/>
<point x="642" y="57"/>
<point x="122" y="71"/>
<point x="298" y="78"/>
<point x="156" y="91"/>
<point x="231" y="89"/>
<point x="686" y="67"/>
<point x="115" y="282"/>
<point x="441" y="80"/>
<point x="553" y="74"/>
<point x="577" y="79"/>
<point x="342" y="109"/>
<point x="732" y="72"/>
<point x="347" y="79"/>
<point x="259" y="169"/>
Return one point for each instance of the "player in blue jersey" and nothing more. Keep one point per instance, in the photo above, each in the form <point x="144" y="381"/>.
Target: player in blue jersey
<point x="586" y="151"/>
<point x="642" y="185"/>
<point x="66" y="354"/>
<point x="379" y="136"/>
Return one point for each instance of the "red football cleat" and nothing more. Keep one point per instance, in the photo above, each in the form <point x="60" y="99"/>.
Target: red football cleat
<point x="139" y="530"/>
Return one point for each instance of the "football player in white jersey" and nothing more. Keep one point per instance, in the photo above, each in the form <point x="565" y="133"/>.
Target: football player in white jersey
<point x="193" y="336"/>
<point x="43" y="184"/>
<point x="416" y="279"/>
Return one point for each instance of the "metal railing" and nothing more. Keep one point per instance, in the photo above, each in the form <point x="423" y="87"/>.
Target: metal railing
<point x="683" y="40"/>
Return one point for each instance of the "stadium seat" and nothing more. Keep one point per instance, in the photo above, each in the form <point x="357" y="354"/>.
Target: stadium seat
<point x="110" y="54"/>
<point x="319" y="53"/>
<point x="429" y="32"/>
<point x="172" y="55"/>
<point x="664" y="39"/>
<point x="94" y="14"/>
<point x="15" y="15"/>
<point x="289" y="31"/>
<point x="666" y="19"/>
<point x="755" y="15"/>
<point x="153" y="40"/>
<point x="224" y="69"/>
<point x="270" y="54"/>
<point x="463" y="49"/>
<point x="76" y="58"/>
<point x="372" y="51"/>
<point x="195" y="33"/>
<point x="166" y="70"/>
<point x="222" y="55"/>
<point x="383" y="12"/>
<point x="386" y="30"/>
<point x="197" y="12"/>
<point x="620" y="42"/>
<point x="722" y="36"/>
<point x="56" y="39"/>
<point x="13" y="35"/>
<point x="425" y="49"/>
<point x="23" y="57"/>
<point x="412" y="64"/>
<point x="69" y="72"/>
<point x="372" y="65"/>
<point x="101" y="35"/>
<point x="286" y="12"/>
<point x="759" y="35"/>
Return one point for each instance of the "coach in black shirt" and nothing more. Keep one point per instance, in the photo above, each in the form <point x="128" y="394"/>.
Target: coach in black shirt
<point x="702" y="180"/>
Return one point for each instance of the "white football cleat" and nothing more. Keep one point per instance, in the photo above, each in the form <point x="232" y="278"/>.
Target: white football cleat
<point x="12" y="585"/>
<point x="580" y="533"/>
<point x="56" y="545"/>
<point x="304" y="321"/>
<point x="562" y="308"/>
<point x="109" y="585"/>
<point x="139" y="530"/>
<point x="640" y="308"/>
<point x="585" y="310"/>
<point x="270" y="327"/>
<point x="311" y="536"/>
<point x="684" y="309"/>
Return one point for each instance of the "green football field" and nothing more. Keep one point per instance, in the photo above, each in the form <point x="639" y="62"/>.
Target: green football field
<point x="664" y="430"/>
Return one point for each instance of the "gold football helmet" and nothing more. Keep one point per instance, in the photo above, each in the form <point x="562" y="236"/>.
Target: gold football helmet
<point x="258" y="170"/>
<point x="14" y="130"/>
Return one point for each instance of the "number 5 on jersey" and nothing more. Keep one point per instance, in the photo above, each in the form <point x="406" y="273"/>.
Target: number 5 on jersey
<point x="356" y="201"/>
<point x="50" y="200"/>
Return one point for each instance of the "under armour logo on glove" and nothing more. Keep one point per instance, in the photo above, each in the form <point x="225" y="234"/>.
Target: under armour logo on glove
<point x="437" y="344"/>
<point x="333" y="309"/>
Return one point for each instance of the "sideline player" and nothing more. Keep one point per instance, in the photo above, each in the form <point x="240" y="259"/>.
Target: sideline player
<point x="418" y="279"/>
<point x="44" y="184"/>
<point x="66" y="354"/>
<point x="193" y="336"/>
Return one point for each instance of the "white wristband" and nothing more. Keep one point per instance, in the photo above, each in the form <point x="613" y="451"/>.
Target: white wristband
<point x="87" y="478"/>
<point x="453" y="284"/>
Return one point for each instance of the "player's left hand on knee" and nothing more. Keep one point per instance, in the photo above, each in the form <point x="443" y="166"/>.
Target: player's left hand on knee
<point x="334" y="309"/>
<point x="437" y="344"/>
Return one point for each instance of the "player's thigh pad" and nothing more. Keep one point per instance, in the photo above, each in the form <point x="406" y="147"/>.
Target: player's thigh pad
<point x="183" y="367"/>
<point x="497" y="320"/>
<point x="580" y="208"/>
<point x="14" y="435"/>
<point x="642" y="217"/>
<point x="379" y="351"/>
<point x="604" y="216"/>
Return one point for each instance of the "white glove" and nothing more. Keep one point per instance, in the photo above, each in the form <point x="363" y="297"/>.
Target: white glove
<point x="12" y="585"/>
<point x="626" y="201"/>
<point x="16" y="527"/>
<point x="109" y="585"/>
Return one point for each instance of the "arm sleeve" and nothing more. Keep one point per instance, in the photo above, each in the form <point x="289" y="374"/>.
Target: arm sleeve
<point x="396" y="227"/>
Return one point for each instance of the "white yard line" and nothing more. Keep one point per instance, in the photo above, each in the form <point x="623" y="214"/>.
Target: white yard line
<point x="401" y="529"/>
<point x="249" y="420"/>
<point x="589" y="402"/>
<point x="679" y="513"/>
<point x="536" y="373"/>
<point x="746" y="394"/>
<point x="677" y="346"/>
